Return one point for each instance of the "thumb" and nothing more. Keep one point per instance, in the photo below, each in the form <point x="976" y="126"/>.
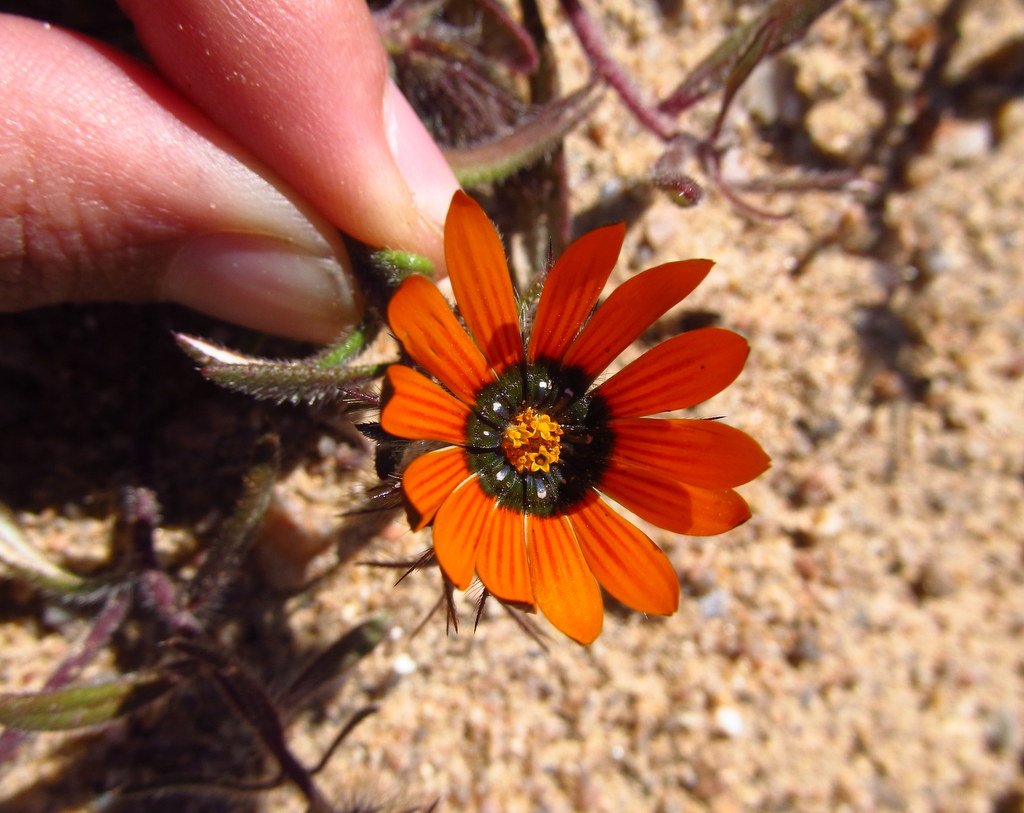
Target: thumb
<point x="113" y="187"/>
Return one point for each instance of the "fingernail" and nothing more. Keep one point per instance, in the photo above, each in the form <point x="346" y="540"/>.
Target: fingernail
<point x="263" y="283"/>
<point x="424" y="168"/>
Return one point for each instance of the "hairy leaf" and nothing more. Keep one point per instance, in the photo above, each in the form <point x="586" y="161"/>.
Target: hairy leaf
<point x="315" y="380"/>
<point x="500" y="157"/>
<point x="781" y="24"/>
<point x="22" y="557"/>
<point x="335" y="661"/>
<point x="63" y="709"/>
<point x="235" y="538"/>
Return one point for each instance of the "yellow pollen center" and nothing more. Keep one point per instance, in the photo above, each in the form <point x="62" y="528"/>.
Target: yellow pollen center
<point x="531" y="441"/>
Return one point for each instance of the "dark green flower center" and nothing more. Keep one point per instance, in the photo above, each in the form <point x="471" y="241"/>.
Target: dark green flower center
<point x="538" y="441"/>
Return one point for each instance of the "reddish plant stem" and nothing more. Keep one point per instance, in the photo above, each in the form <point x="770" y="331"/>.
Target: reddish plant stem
<point x="612" y="73"/>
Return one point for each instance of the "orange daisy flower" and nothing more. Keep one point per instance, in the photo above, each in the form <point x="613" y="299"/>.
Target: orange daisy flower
<point x="519" y="495"/>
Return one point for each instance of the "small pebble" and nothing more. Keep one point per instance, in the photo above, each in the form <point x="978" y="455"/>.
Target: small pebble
<point x="715" y="604"/>
<point x="964" y="141"/>
<point x="404" y="665"/>
<point x="729" y="721"/>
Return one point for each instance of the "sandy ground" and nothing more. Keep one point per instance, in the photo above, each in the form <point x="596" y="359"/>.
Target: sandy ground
<point x="857" y="645"/>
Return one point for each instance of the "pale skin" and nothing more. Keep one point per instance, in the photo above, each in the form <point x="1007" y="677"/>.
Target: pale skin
<point x="220" y="184"/>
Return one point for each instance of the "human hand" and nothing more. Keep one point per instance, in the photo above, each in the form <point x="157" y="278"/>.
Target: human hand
<point x="226" y="194"/>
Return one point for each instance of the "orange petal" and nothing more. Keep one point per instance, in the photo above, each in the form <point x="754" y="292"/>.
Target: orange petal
<point x="458" y="529"/>
<point x="420" y="410"/>
<point x="501" y="559"/>
<point x="701" y="453"/>
<point x="430" y="478"/>
<point x="480" y="279"/>
<point x="630" y="310"/>
<point x="678" y="373"/>
<point x="572" y="288"/>
<point x="565" y="589"/>
<point x="424" y="323"/>
<point x="672" y="505"/>
<point x="624" y="559"/>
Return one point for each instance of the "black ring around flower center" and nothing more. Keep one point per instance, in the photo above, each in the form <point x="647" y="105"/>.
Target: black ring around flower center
<point x="517" y="400"/>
